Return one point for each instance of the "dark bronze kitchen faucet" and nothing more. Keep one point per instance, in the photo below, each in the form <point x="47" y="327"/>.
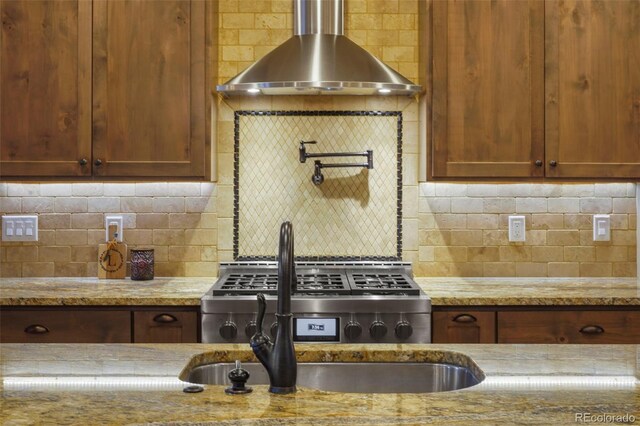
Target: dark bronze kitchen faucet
<point x="279" y="358"/>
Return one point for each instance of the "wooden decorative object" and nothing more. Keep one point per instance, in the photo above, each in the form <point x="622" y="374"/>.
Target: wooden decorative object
<point x="112" y="257"/>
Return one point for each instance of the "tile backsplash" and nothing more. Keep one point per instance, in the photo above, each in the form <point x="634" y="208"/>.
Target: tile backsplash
<point x="460" y="229"/>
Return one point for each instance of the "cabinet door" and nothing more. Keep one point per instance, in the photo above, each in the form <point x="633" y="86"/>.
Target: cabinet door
<point x="569" y="327"/>
<point x="487" y="100"/>
<point x="592" y="85"/>
<point x="165" y="327"/>
<point x="45" y="88"/>
<point x="149" y="88"/>
<point x="65" y="326"/>
<point x="464" y="327"/>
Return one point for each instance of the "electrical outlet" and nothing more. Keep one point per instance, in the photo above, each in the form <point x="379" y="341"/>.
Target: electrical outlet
<point x="601" y="227"/>
<point x="19" y="228"/>
<point x="516" y="228"/>
<point x="119" y="222"/>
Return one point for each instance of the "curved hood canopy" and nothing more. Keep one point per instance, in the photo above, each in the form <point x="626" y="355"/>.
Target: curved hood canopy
<point x="319" y="59"/>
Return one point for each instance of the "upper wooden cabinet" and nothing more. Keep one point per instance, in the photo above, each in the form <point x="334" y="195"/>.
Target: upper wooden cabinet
<point x="487" y="110"/>
<point x="532" y="89"/>
<point x="104" y="88"/>
<point x="45" y="88"/>
<point x="592" y="84"/>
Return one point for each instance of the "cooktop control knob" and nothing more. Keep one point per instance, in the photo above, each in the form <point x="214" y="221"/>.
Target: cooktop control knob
<point x="274" y="329"/>
<point x="404" y="330"/>
<point x="352" y="330"/>
<point x="228" y="330"/>
<point x="378" y="330"/>
<point x="250" y="329"/>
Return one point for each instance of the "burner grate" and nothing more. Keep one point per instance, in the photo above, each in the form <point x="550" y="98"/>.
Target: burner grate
<point x="333" y="283"/>
<point x="382" y="284"/>
<point x="267" y="282"/>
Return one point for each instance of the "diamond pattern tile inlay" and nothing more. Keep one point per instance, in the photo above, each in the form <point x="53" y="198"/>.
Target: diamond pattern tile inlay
<point x="354" y="213"/>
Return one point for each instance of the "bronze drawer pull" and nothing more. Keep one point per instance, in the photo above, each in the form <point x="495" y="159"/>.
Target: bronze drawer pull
<point x="464" y="318"/>
<point x="592" y="329"/>
<point x="165" y="318"/>
<point x="36" y="329"/>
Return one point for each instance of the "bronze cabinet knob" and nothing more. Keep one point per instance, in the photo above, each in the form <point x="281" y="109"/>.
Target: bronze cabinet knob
<point x="83" y="161"/>
<point x="553" y="163"/>
<point x="538" y="163"/>
<point x="98" y="162"/>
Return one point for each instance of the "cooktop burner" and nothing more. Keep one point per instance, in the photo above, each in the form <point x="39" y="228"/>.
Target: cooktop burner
<point x="267" y="282"/>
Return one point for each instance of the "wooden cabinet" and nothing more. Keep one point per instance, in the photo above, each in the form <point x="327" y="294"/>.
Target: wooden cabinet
<point x="45" y="88"/>
<point x="569" y="327"/>
<point x="533" y="89"/>
<point x="86" y="324"/>
<point x="105" y="88"/>
<point x="464" y="327"/>
<point x="487" y="110"/>
<point x="64" y="326"/>
<point x="592" y="84"/>
<point x="159" y="326"/>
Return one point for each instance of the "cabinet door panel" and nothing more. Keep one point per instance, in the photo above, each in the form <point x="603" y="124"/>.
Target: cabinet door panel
<point x="569" y="327"/>
<point x="45" y="88"/>
<point x="464" y="327"/>
<point x="592" y="84"/>
<point x="487" y="105"/>
<point x="149" y="88"/>
<point x="165" y="327"/>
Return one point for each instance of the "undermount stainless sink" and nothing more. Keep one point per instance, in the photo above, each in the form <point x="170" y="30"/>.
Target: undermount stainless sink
<point x="353" y="377"/>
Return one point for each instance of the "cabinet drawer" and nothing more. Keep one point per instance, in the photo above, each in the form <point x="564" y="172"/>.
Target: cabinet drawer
<point x="569" y="327"/>
<point x="44" y="326"/>
<point x="464" y="327"/>
<point x="159" y="326"/>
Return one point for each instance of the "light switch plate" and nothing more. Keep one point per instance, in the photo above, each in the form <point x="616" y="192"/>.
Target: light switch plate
<point x="516" y="228"/>
<point x="119" y="221"/>
<point x="20" y="228"/>
<point x="601" y="227"/>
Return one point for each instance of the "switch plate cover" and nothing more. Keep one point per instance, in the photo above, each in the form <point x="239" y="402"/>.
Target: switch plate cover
<point x="20" y="228"/>
<point x="118" y="220"/>
<point x="516" y="228"/>
<point x="601" y="227"/>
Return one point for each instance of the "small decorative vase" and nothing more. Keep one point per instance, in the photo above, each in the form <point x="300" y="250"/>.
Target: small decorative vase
<point x="142" y="264"/>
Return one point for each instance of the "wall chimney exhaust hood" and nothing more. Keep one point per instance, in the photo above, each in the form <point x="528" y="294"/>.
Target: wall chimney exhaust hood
<point x="319" y="60"/>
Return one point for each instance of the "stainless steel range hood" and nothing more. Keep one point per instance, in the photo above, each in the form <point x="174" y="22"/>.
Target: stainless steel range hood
<point x="319" y="59"/>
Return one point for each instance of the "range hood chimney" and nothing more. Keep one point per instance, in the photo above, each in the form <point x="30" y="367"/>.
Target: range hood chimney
<point x="319" y="59"/>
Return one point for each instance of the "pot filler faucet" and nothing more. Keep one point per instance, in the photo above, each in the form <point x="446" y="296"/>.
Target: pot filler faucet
<point x="279" y="358"/>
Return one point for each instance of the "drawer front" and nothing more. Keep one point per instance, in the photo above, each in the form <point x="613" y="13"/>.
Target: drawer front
<point x="569" y="327"/>
<point x="464" y="327"/>
<point x="159" y="326"/>
<point x="44" y="326"/>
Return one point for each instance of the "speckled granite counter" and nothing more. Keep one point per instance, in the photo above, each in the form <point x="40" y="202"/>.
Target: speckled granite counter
<point x="531" y="291"/>
<point x="93" y="291"/>
<point x="507" y="395"/>
<point x="443" y="291"/>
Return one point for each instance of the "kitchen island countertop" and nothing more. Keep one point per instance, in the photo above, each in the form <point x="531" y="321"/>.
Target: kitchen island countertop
<point x="524" y="384"/>
<point x="443" y="291"/>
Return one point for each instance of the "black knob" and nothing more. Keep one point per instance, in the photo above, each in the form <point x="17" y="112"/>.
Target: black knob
<point x="98" y="162"/>
<point x="274" y="329"/>
<point x="238" y="378"/>
<point x="251" y="329"/>
<point x="404" y="330"/>
<point x="378" y="330"/>
<point x="553" y="163"/>
<point x="83" y="161"/>
<point x="352" y="330"/>
<point x="538" y="163"/>
<point x="228" y="330"/>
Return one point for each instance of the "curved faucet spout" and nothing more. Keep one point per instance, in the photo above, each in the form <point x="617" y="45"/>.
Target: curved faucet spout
<point x="286" y="269"/>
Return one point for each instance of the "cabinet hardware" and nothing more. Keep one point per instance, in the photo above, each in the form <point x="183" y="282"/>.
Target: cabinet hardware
<point x="592" y="329"/>
<point x="36" y="329"/>
<point x="553" y="163"/>
<point x="83" y="162"/>
<point x="538" y="163"/>
<point x="98" y="162"/>
<point x="464" y="318"/>
<point x="165" y="318"/>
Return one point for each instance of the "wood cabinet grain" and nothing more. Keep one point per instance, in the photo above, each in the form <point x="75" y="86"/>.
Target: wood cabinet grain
<point x="45" y="88"/>
<point x="165" y="326"/>
<point x="464" y="326"/>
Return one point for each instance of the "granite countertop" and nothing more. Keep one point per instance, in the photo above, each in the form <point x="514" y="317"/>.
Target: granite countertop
<point x="524" y="384"/>
<point x="442" y="291"/>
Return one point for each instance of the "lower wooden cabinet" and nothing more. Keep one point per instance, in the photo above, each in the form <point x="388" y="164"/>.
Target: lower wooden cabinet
<point x="83" y="324"/>
<point x="464" y="327"/>
<point x="157" y="326"/>
<point x="68" y="326"/>
<point x="569" y="327"/>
